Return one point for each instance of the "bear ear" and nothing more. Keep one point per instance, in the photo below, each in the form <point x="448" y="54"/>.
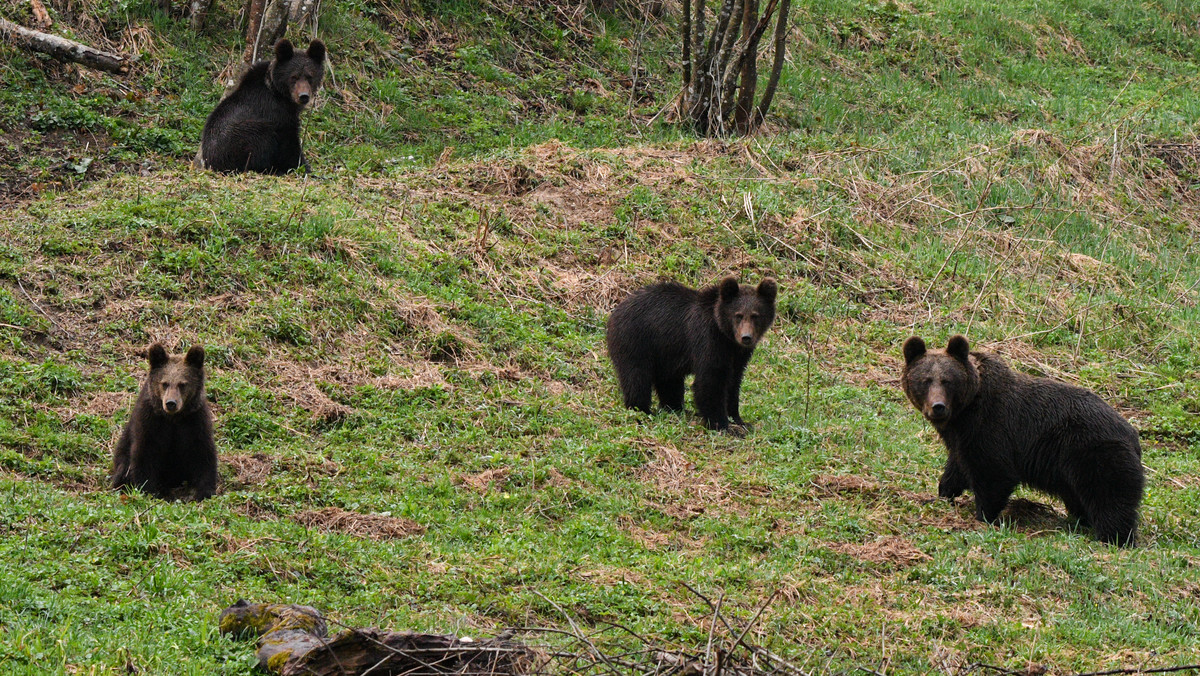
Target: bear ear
<point x="958" y="348"/>
<point x="284" y="50"/>
<point x="157" y="354"/>
<point x="729" y="288"/>
<point x="767" y="288"/>
<point x="914" y="349"/>
<point x="195" y="357"/>
<point x="316" y="51"/>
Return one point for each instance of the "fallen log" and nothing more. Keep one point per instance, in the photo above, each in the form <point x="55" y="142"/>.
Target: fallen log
<point x="62" y="48"/>
<point x="294" y="640"/>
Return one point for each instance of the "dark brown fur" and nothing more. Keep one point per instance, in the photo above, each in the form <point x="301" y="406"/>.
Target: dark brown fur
<point x="257" y="127"/>
<point x="662" y="333"/>
<point x="168" y="441"/>
<point x="1002" y="428"/>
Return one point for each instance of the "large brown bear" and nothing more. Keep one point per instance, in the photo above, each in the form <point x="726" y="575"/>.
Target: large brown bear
<point x="257" y="127"/>
<point x="1004" y="428"/>
<point x="662" y="333"/>
<point x="168" y="441"/>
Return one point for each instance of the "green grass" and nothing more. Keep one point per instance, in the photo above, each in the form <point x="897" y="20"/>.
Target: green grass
<point x="386" y="336"/>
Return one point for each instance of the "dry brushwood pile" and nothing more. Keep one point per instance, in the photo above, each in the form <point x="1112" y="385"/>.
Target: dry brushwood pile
<point x="294" y="640"/>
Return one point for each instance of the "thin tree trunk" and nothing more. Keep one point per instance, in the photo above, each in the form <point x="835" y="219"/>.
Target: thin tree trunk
<point x="687" y="43"/>
<point x="748" y="50"/>
<point x="749" y="76"/>
<point x="254" y="14"/>
<point x="781" y="31"/>
<point x="274" y="25"/>
<point x="62" y="48"/>
<point x="199" y="13"/>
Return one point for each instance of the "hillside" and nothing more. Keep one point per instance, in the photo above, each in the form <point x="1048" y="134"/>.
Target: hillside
<point x="417" y="421"/>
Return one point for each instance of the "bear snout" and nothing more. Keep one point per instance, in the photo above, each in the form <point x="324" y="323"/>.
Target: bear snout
<point x="170" y="405"/>
<point x="938" y="411"/>
<point x="747" y="339"/>
<point x="302" y="93"/>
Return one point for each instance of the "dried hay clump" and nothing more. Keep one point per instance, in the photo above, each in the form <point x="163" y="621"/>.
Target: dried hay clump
<point x="892" y="551"/>
<point x="848" y="483"/>
<point x="249" y="470"/>
<point x="672" y="474"/>
<point x="371" y="526"/>
<point x="485" y="480"/>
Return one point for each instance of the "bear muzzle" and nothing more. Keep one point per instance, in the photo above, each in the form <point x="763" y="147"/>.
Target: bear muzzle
<point x="302" y="93"/>
<point x="170" y="405"/>
<point x="937" y="412"/>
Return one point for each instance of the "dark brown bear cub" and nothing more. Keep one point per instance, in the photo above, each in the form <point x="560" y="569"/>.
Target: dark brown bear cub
<point x="1004" y="428"/>
<point x="169" y="438"/>
<point x="257" y="127"/>
<point x="662" y="333"/>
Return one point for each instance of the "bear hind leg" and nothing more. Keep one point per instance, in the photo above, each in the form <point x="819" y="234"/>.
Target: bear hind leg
<point x="635" y="388"/>
<point x="670" y="390"/>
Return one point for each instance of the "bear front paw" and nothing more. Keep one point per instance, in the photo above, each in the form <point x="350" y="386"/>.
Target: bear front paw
<point x="950" y="490"/>
<point x="736" y="430"/>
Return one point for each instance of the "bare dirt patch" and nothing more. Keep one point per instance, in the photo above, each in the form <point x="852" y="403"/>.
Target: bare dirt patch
<point x="892" y="551"/>
<point x="370" y="526"/>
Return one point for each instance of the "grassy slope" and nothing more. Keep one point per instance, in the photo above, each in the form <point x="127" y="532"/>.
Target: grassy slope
<point x="423" y="339"/>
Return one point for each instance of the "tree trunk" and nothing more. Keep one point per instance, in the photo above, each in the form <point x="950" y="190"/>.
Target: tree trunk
<point x="62" y="48"/>
<point x="254" y="14"/>
<point x="687" y="43"/>
<point x="781" y="29"/>
<point x="749" y="68"/>
<point x="199" y="13"/>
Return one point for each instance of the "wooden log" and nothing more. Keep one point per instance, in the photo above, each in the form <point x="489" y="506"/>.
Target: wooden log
<point x="62" y="48"/>
<point x="293" y="641"/>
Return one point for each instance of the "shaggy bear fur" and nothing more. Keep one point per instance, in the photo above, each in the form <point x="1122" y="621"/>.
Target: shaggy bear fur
<point x="662" y="333"/>
<point x="257" y="127"/>
<point x="168" y="440"/>
<point x="1004" y="428"/>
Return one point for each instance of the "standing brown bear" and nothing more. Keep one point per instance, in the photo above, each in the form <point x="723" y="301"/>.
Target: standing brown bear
<point x="1004" y="428"/>
<point x="168" y="440"/>
<point x="662" y="333"/>
<point x="257" y="127"/>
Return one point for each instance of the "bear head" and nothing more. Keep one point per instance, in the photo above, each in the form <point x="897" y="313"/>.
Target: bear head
<point x="296" y="75"/>
<point x="939" y="383"/>
<point x="744" y="313"/>
<point x="176" y="383"/>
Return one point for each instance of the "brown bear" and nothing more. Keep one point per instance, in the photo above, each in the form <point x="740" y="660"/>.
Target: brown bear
<point x="1003" y="428"/>
<point x="663" y="332"/>
<point x="257" y="127"/>
<point x="168" y="441"/>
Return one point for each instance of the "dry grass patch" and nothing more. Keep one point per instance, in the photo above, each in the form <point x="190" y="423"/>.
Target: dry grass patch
<point x="371" y="526"/>
<point x="484" y="481"/>
<point x="249" y="470"/>
<point x="684" y="490"/>
<point x="891" y="551"/>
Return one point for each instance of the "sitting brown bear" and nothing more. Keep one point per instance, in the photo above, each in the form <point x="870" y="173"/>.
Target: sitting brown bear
<point x="168" y="441"/>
